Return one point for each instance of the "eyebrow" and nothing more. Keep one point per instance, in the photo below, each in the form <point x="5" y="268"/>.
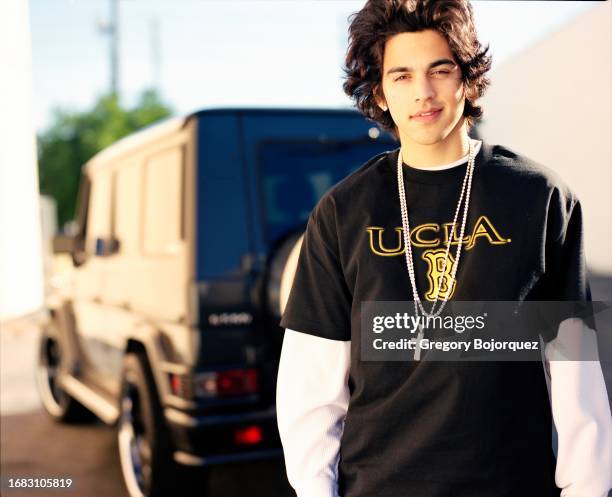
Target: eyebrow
<point x="436" y="63"/>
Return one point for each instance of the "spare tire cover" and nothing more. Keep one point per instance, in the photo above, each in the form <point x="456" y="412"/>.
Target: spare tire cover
<point x="282" y="271"/>
<point x="289" y="273"/>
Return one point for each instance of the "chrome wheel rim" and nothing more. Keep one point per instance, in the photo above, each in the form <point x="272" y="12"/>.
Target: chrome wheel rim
<point x="134" y="450"/>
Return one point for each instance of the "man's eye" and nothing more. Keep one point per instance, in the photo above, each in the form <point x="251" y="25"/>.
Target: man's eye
<point x="440" y="72"/>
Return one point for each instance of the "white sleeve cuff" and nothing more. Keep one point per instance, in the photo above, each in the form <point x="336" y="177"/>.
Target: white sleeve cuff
<point x="318" y="487"/>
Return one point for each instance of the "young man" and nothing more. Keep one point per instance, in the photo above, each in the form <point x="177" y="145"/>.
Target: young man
<point x="355" y="428"/>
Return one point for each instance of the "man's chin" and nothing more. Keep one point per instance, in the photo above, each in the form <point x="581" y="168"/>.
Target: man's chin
<point x="432" y="138"/>
<point x="421" y="135"/>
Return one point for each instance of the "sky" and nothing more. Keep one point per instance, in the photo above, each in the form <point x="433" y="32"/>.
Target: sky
<point x="211" y="53"/>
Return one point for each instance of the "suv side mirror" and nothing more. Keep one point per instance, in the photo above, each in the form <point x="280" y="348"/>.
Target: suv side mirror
<point x="63" y="244"/>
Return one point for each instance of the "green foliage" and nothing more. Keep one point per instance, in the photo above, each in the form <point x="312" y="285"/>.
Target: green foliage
<point x="74" y="137"/>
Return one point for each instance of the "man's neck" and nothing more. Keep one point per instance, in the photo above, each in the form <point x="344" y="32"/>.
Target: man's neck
<point x="452" y="148"/>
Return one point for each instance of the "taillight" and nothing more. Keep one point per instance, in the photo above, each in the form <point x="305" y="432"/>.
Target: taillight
<point x="216" y="383"/>
<point x="248" y="436"/>
<point x="237" y="382"/>
<point x="181" y="385"/>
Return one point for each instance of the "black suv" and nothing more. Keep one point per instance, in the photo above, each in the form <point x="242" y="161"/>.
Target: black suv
<point x="168" y="322"/>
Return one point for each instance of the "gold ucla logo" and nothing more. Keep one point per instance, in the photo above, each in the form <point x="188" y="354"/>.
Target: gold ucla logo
<point x="430" y="236"/>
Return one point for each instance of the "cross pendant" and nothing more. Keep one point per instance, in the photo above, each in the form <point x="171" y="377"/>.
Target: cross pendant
<point x="417" y="340"/>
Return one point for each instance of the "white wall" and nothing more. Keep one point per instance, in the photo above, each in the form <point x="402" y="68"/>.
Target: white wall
<point x="553" y="103"/>
<point x="21" y="279"/>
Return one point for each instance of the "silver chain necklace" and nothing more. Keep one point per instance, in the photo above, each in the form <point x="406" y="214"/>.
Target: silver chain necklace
<point x="465" y="190"/>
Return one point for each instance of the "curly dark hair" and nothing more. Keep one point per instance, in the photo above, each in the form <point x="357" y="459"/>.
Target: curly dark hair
<point x="379" y="20"/>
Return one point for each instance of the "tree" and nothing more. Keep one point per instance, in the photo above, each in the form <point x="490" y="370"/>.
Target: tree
<point x="74" y="137"/>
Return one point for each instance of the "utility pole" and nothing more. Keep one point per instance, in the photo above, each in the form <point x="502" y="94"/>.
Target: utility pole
<point x="115" y="47"/>
<point x="155" y="54"/>
<point x="111" y="28"/>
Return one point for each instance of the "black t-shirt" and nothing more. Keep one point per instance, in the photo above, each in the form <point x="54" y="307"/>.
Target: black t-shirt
<point x="433" y="429"/>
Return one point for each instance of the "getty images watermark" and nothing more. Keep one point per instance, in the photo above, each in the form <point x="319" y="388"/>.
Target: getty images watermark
<point x="487" y="331"/>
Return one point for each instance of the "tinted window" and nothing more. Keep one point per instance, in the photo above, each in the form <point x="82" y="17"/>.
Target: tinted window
<point x="128" y="203"/>
<point x="294" y="176"/>
<point x="99" y="212"/>
<point x="163" y="201"/>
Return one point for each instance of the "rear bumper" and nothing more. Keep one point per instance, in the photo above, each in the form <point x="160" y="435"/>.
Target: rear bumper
<point x="207" y="440"/>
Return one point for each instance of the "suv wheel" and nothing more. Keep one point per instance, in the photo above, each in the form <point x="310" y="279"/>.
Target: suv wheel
<point x="56" y="401"/>
<point x="144" y="447"/>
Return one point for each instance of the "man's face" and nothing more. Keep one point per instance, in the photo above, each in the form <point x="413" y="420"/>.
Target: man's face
<point x="415" y="80"/>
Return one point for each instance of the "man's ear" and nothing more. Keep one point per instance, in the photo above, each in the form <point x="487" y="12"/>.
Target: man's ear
<point x="380" y="100"/>
<point x="464" y="89"/>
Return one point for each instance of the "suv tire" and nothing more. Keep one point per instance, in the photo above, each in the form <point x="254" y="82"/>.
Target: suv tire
<point x="59" y="404"/>
<point x="145" y="450"/>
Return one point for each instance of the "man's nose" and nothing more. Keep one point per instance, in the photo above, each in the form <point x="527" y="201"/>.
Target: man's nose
<point x="423" y="88"/>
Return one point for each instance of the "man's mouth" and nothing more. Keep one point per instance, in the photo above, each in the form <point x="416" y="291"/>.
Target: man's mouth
<point x="427" y="116"/>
